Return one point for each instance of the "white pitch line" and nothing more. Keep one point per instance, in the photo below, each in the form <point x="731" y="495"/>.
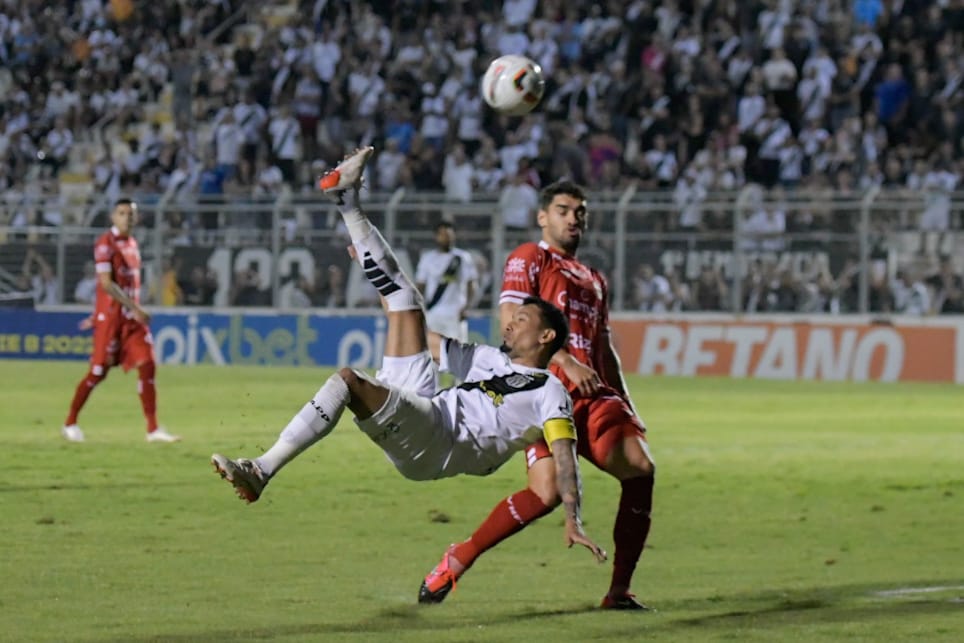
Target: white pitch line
<point x="907" y="591"/>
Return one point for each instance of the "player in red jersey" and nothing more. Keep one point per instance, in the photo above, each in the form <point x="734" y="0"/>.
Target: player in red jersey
<point x="121" y="333"/>
<point x="610" y="433"/>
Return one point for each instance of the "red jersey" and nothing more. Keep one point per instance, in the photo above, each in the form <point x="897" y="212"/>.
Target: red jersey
<point x="119" y="256"/>
<point x="535" y="269"/>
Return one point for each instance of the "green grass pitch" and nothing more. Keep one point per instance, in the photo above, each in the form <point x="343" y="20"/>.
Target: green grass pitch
<point x="785" y="511"/>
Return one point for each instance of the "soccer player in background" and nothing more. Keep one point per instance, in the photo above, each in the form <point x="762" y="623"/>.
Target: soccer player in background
<point x="610" y="433"/>
<point x="447" y="277"/>
<point x="120" y="326"/>
<point x="508" y="401"/>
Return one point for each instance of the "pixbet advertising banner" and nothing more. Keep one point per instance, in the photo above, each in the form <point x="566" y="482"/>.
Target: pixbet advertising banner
<point x="814" y="348"/>
<point x="257" y="338"/>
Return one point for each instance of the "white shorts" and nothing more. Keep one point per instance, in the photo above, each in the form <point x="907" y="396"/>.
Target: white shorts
<point x="935" y="219"/>
<point x="448" y="326"/>
<point x="412" y="432"/>
<point x="417" y="373"/>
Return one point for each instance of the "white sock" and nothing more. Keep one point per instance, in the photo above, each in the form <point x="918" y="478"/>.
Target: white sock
<point x="313" y="422"/>
<point x="379" y="262"/>
<point x="376" y="257"/>
<point x="357" y="223"/>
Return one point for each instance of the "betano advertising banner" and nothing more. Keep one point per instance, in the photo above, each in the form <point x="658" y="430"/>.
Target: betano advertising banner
<point x="814" y="348"/>
<point x="810" y="348"/>
<point x="257" y="338"/>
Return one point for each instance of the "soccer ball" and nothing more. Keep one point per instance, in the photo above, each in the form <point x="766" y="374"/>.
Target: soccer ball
<point x="513" y="85"/>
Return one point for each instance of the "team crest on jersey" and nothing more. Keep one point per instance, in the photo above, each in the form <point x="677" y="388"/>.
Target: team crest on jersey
<point x="518" y="380"/>
<point x="496" y="388"/>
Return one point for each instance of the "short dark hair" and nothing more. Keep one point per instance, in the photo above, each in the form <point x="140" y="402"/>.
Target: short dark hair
<point x="553" y="318"/>
<point x="563" y="186"/>
<point x="124" y="201"/>
<point x="445" y="223"/>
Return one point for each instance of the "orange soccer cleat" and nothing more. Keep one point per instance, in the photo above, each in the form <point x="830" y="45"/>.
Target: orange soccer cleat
<point x="347" y="173"/>
<point x="439" y="582"/>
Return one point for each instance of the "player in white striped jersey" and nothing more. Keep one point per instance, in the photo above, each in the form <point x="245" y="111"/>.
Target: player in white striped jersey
<point x="508" y="400"/>
<point x="447" y="276"/>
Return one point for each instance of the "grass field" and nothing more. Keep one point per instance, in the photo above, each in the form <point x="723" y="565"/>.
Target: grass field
<point x="784" y="512"/>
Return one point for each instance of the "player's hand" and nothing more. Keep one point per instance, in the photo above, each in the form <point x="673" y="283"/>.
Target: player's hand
<point x="86" y="323"/>
<point x="576" y="536"/>
<point x="585" y="378"/>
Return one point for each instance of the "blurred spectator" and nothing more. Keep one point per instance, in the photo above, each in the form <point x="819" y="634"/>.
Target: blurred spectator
<point x="40" y="278"/>
<point x="285" y="137"/>
<point x="764" y="229"/>
<point x="518" y="203"/>
<point x="937" y="184"/>
<point x="200" y="288"/>
<point x="457" y="175"/>
<point x="390" y="167"/>
<point x="170" y="290"/>
<point x="910" y="294"/>
<point x="689" y="196"/>
<point x="333" y="288"/>
<point x="649" y="291"/>
<point x="947" y="288"/>
<point x="247" y="289"/>
<point x="229" y="138"/>
<point x="86" y="289"/>
<point x="709" y="290"/>
<point x="295" y="292"/>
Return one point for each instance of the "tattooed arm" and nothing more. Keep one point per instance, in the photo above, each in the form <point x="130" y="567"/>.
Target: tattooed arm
<point x="570" y="492"/>
<point x="117" y="293"/>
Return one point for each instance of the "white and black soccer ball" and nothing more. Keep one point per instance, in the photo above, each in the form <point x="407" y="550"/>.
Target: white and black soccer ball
<point x="513" y="85"/>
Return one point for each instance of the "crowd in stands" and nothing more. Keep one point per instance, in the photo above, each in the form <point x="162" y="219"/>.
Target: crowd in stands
<point x="770" y="288"/>
<point x="196" y="99"/>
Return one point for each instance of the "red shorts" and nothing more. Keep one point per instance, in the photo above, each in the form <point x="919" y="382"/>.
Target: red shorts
<point x="601" y="422"/>
<point x="125" y="342"/>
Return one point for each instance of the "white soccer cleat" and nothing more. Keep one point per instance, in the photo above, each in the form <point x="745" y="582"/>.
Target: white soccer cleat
<point x="246" y="476"/>
<point x="72" y="433"/>
<point x="160" y="434"/>
<point x="348" y="172"/>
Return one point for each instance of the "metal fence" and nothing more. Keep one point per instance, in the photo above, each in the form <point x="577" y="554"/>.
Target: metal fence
<point x="835" y="246"/>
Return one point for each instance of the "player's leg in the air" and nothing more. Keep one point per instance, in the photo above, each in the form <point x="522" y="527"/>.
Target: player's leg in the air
<point x="405" y="343"/>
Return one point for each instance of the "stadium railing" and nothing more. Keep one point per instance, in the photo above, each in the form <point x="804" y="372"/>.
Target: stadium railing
<point x="280" y="239"/>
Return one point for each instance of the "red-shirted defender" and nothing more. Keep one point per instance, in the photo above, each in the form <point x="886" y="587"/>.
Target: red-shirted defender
<point x="120" y="326"/>
<point x="610" y="433"/>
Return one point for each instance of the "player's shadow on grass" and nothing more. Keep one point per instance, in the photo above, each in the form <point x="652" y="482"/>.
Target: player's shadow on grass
<point x="809" y="611"/>
<point x="388" y="620"/>
<point x="842" y="604"/>
<point x="101" y="486"/>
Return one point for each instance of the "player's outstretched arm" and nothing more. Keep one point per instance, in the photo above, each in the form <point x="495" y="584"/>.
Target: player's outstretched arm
<point x="585" y="377"/>
<point x="570" y="492"/>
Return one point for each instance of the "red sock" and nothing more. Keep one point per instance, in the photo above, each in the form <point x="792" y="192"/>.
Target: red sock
<point x="81" y="394"/>
<point x="509" y="517"/>
<point x="145" y="388"/>
<point x="630" y="530"/>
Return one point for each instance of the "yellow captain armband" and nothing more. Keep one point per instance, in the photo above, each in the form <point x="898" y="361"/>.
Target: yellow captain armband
<point x="558" y="429"/>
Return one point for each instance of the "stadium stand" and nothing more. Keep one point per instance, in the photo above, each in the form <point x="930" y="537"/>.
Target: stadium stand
<point x="219" y="102"/>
